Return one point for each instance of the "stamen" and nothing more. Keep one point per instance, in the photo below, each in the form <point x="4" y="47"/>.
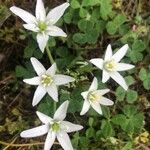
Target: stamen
<point x="93" y="96"/>
<point x="110" y="65"/>
<point x="46" y="80"/>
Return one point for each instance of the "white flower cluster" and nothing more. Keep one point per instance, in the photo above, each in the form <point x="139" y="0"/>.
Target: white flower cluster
<point x="48" y="81"/>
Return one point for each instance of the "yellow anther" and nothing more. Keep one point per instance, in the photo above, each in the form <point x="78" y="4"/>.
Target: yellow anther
<point x="93" y="96"/>
<point x="110" y="65"/>
<point x="46" y="80"/>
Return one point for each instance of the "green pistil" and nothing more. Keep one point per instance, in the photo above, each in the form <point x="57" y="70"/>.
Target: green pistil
<point x="55" y="127"/>
<point x="46" y="80"/>
<point x="42" y="26"/>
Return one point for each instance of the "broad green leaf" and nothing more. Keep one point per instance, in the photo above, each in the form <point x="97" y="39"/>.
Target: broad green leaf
<point x="75" y="140"/>
<point x="138" y="121"/>
<point x="68" y="17"/>
<point x="90" y="2"/>
<point x="91" y="121"/>
<point x="120" y="93"/>
<point x="105" y="8"/>
<point x="85" y="25"/>
<point x="119" y="119"/>
<point x="131" y="96"/>
<point x="138" y="45"/>
<point x="135" y="56"/>
<point x="75" y="4"/>
<point x="128" y="126"/>
<point x="51" y="42"/>
<point x="129" y="80"/>
<point x="80" y="38"/>
<point x="119" y="20"/>
<point x="106" y="112"/>
<point x="21" y="71"/>
<point x="46" y="106"/>
<point x="146" y="83"/>
<point x="62" y="52"/>
<point x="111" y="28"/>
<point x="83" y="13"/>
<point x="143" y="74"/>
<point x="90" y="132"/>
<point x="84" y="141"/>
<point x="107" y="129"/>
<point x="92" y="36"/>
<point x="129" y="110"/>
<point x="29" y="50"/>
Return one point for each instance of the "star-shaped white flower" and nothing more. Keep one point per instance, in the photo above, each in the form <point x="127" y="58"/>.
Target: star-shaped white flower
<point x="110" y="65"/>
<point x="47" y="81"/>
<point x="94" y="97"/>
<point x="55" y="128"/>
<point x="41" y="23"/>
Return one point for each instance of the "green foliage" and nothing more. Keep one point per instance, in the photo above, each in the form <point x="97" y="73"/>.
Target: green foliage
<point x="90" y="25"/>
<point x="114" y="25"/>
<point x="135" y="54"/>
<point x="131" y="121"/>
<point x="144" y="76"/>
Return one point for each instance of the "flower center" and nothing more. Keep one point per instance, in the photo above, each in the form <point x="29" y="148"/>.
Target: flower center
<point x="93" y="96"/>
<point x="46" y="80"/>
<point x="42" y="26"/>
<point x="110" y="65"/>
<point x="55" y="127"/>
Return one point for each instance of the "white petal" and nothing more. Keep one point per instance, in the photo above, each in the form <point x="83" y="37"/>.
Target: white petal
<point x="49" y="140"/>
<point x="85" y="94"/>
<point x="55" y="14"/>
<point x="120" y="53"/>
<point x="24" y="15"/>
<point x="34" y="132"/>
<point x="96" y="106"/>
<point x="108" y="53"/>
<point x="105" y="76"/>
<point x="62" y="79"/>
<point x="53" y="92"/>
<point x="38" y="67"/>
<point x="85" y="108"/>
<point x="60" y="113"/>
<point x="102" y="92"/>
<point x="40" y="11"/>
<point x="52" y="70"/>
<point x="123" y="66"/>
<point x="98" y="62"/>
<point x="94" y="85"/>
<point x="31" y="27"/>
<point x="38" y="95"/>
<point x="119" y="79"/>
<point x="64" y="140"/>
<point x="70" y="127"/>
<point x="42" y="40"/>
<point x="44" y="118"/>
<point x="105" y="101"/>
<point x="32" y="81"/>
<point x="55" y="31"/>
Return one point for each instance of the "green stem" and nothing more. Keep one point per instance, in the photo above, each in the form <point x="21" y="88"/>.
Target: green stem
<point x="49" y="55"/>
<point x="51" y="61"/>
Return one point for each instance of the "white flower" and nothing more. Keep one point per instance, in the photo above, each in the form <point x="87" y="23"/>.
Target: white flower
<point x="41" y="23"/>
<point x="95" y="98"/>
<point x="110" y="65"/>
<point x="55" y="128"/>
<point x="47" y="81"/>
